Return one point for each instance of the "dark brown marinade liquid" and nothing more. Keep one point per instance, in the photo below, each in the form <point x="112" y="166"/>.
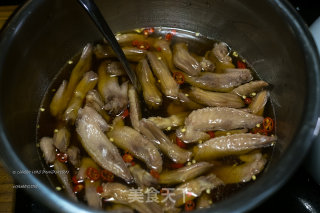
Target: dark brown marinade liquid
<point x="46" y="124"/>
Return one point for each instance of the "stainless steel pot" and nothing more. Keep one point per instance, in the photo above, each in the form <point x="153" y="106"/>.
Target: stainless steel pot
<point x="268" y="33"/>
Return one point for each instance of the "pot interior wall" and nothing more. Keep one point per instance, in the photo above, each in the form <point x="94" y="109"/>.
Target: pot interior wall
<point x="57" y="30"/>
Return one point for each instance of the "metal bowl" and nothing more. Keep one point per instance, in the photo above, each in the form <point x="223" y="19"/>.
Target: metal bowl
<point x="44" y="34"/>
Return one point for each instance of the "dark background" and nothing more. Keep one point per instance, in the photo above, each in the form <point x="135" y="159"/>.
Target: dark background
<point x="300" y="194"/>
<point x="309" y="9"/>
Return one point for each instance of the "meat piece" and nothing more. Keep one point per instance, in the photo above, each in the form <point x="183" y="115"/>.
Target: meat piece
<point x="49" y="151"/>
<point x="63" y="175"/>
<point x="115" y="68"/>
<point x="194" y="188"/>
<point x="168" y="85"/>
<point x="103" y="51"/>
<point x="206" y="65"/>
<point x="73" y="153"/>
<point x="115" y="96"/>
<point x="231" y="145"/>
<point x="253" y="165"/>
<point x="230" y="132"/>
<point x="184" y="61"/>
<point x="185" y="173"/>
<point x="220" y="56"/>
<point x="168" y="205"/>
<point x="131" y="140"/>
<point x="141" y="177"/>
<point x="61" y="139"/>
<point x="98" y="146"/>
<point x="94" y="100"/>
<point x="56" y="100"/>
<point x="220" y="82"/>
<point x="204" y="201"/>
<point x="215" y="118"/>
<point x="135" y="110"/>
<point x="151" y="94"/>
<point x="248" y="88"/>
<point x="119" y="193"/>
<point x="215" y="98"/>
<point x="119" y="208"/>
<point x="258" y="102"/>
<point x="164" y="47"/>
<point x="183" y="97"/>
<point x="134" y="54"/>
<point x="169" y="122"/>
<point x="127" y="39"/>
<point x="221" y="51"/>
<point x="91" y="196"/>
<point x="95" y="118"/>
<point x="84" y="64"/>
<point x="87" y="83"/>
<point x="153" y="133"/>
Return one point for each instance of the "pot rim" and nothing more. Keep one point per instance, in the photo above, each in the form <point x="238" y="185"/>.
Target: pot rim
<point x="252" y="195"/>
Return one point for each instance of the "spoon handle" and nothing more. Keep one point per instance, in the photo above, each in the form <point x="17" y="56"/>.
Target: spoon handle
<point x="104" y="28"/>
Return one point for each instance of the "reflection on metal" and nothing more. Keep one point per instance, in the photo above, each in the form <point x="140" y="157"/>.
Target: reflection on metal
<point x="307" y="205"/>
<point x="317" y="128"/>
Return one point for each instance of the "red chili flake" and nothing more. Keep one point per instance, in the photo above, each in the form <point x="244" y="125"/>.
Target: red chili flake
<point x="77" y="188"/>
<point x="133" y="163"/>
<point x="248" y="100"/>
<point x="154" y="173"/>
<point x="159" y="49"/>
<point x="75" y="179"/>
<point x="99" y="189"/>
<point x="151" y="30"/>
<point x="180" y="143"/>
<point x="178" y="77"/>
<point x="262" y="132"/>
<point x="127" y="158"/>
<point x="189" y="206"/>
<point x="62" y="157"/>
<point x="144" y="46"/>
<point x="107" y="175"/>
<point x="125" y="113"/>
<point x="168" y="36"/>
<point x="146" y="32"/>
<point x="135" y="43"/>
<point x="268" y="124"/>
<point x="241" y="65"/>
<point x="255" y="130"/>
<point x="176" y="165"/>
<point x="211" y="133"/>
<point x="93" y="173"/>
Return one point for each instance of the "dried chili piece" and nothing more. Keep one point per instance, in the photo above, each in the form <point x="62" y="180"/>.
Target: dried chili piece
<point x="178" y="77"/>
<point x="268" y="124"/>
<point x="180" y="143"/>
<point x="189" y="206"/>
<point x="62" y="157"/>
<point x="93" y="173"/>
<point x="107" y="175"/>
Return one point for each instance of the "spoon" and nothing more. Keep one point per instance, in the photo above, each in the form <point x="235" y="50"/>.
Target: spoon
<point x="96" y="16"/>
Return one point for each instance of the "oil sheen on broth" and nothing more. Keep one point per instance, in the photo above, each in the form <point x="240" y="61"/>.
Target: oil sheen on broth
<point x="201" y="129"/>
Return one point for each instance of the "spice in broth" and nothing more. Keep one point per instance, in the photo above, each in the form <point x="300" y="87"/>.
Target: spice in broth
<point x="201" y="129"/>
